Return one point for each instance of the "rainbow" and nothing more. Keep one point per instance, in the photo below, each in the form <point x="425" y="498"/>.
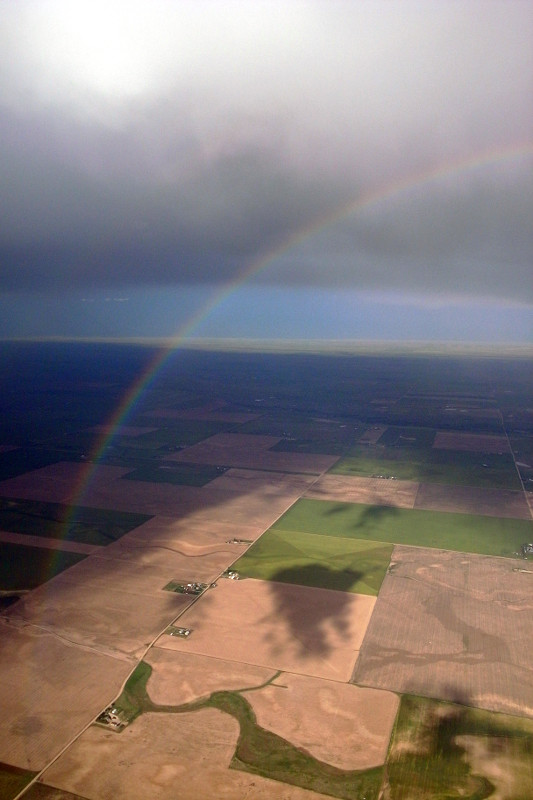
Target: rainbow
<point x="365" y="201"/>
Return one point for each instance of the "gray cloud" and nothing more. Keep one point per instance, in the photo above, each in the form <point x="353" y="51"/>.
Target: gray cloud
<point x="167" y="143"/>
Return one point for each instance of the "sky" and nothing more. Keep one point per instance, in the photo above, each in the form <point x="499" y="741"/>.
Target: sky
<point x="338" y="169"/>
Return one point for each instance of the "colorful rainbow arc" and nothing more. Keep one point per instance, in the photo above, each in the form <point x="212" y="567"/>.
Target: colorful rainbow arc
<point x="365" y="201"/>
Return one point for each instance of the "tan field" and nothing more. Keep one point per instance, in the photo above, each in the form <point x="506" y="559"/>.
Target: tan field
<point x="179" y="677"/>
<point x="50" y="689"/>
<point x="473" y="500"/>
<point x="257" y="503"/>
<point x="453" y="626"/>
<point x="340" y="724"/>
<point x="252" y="452"/>
<point x="372" y="491"/>
<point x="188" y="757"/>
<point x="473" y="442"/>
<point x="315" y="632"/>
<point x="119" y="619"/>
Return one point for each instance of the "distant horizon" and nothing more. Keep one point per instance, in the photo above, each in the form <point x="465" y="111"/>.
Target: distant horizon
<point x="298" y="345"/>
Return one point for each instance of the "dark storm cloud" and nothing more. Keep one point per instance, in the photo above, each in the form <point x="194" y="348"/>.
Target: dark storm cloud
<point x="169" y="143"/>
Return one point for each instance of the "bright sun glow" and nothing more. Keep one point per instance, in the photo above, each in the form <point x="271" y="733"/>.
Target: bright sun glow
<point x="111" y="48"/>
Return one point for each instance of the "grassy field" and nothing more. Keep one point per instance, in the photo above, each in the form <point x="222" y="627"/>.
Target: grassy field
<point x="442" y="751"/>
<point x="462" y="532"/>
<point x="13" y="780"/>
<point x="327" y="562"/>
<point x="96" y="526"/>
<point x="427" y="465"/>
<point x="24" y="567"/>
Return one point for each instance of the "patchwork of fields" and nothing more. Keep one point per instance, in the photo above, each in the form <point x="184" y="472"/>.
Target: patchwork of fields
<point x="355" y="608"/>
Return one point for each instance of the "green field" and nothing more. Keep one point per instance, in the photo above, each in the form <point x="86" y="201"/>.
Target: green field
<point x="98" y="526"/>
<point x="176" y="474"/>
<point x="431" y="751"/>
<point x="23" y="567"/>
<point x="427" y="465"/>
<point x="348" y="565"/>
<point x="13" y="780"/>
<point x="467" y="533"/>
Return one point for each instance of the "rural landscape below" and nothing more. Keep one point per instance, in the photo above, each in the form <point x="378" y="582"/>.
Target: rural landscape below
<point x="265" y="572"/>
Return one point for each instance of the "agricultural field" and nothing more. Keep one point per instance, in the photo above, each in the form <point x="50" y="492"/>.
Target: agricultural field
<point x="452" y="626"/>
<point x="177" y="474"/>
<point x="468" y="533"/>
<point x="328" y="562"/>
<point x="23" y="567"/>
<point x="447" y="750"/>
<point x="431" y="465"/>
<point x="377" y="642"/>
<point x="95" y="526"/>
<point x="294" y="628"/>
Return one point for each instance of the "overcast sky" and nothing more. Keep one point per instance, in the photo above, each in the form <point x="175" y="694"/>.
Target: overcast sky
<point x="344" y="155"/>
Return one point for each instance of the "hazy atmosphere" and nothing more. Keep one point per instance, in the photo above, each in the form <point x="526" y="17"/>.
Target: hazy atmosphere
<point x="265" y="169"/>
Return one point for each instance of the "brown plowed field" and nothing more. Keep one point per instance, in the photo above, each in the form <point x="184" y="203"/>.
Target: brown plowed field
<point x="371" y="491"/>
<point x="472" y="442"/>
<point x="169" y="531"/>
<point x="119" y="620"/>
<point x="453" y="626"/>
<point x="259" y="504"/>
<point x="251" y="451"/>
<point x="165" y="757"/>
<point x="473" y="500"/>
<point x="48" y="692"/>
<point x="183" y="677"/>
<point x="247" y="480"/>
<point x="346" y="728"/>
<point x="60" y="482"/>
<point x="298" y="629"/>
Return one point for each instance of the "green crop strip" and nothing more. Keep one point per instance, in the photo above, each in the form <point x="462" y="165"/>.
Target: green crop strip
<point x="258" y="751"/>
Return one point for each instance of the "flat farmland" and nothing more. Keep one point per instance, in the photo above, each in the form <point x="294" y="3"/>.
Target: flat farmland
<point x="185" y="535"/>
<point x="338" y="723"/>
<point x="59" y="483"/>
<point x="463" y="532"/>
<point x="372" y="491"/>
<point x="215" y="411"/>
<point x="252" y="452"/>
<point x="473" y="500"/>
<point x="309" y="631"/>
<point x="189" y="756"/>
<point x="180" y="677"/>
<point x="49" y="690"/>
<point x="453" y="627"/>
<point x="328" y="562"/>
<point x="91" y="526"/>
<point x="471" y="442"/>
<point x="431" y="465"/>
<point x="447" y="750"/>
<point x="118" y="620"/>
<point x="299" y="434"/>
<point x="350" y="730"/>
<point x="26" y="566"/>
